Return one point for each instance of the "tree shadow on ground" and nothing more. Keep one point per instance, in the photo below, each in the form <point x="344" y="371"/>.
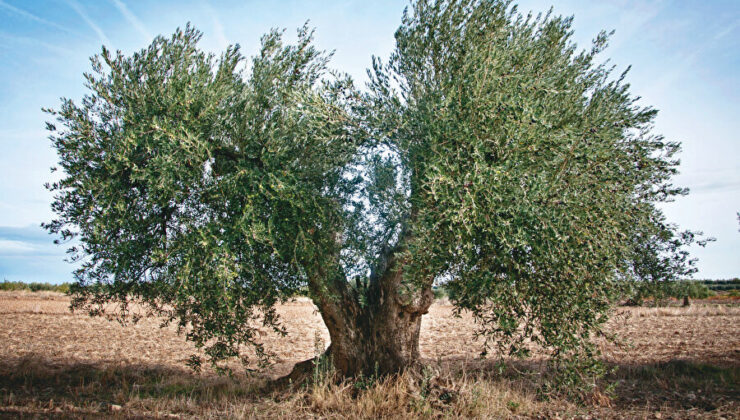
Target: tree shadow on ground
<point x="679" y="384"/>
<point x="35" y="385"/>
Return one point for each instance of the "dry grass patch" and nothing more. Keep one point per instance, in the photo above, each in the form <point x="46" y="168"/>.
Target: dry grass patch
<point x="679" y="362"/>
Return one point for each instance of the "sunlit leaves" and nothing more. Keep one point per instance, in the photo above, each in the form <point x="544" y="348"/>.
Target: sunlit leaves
<point x="530" y="168"/>
<point x="207" y="188"/>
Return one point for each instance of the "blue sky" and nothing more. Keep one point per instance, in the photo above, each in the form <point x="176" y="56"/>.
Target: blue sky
<point x="685" y="57"/>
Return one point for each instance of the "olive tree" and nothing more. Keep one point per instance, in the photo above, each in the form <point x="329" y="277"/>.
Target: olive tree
<point x="487" y="153"/>
<point x="662" y="263"/>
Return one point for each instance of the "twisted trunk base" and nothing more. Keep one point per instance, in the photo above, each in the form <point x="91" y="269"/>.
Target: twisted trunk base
<point x="377" y="339"/>
<point x="374" y="329"/>
<point x="388" y="344"/>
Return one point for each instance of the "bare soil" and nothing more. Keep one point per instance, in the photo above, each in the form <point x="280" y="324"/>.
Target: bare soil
<point x="670" y="363"/>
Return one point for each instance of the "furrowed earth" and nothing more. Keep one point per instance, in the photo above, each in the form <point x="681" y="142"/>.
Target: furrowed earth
<point x="670" y="362"/>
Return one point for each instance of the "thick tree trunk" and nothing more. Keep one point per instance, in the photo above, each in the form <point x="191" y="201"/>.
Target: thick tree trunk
<point x="380" y="337"/>
<point x="385" y="339"/>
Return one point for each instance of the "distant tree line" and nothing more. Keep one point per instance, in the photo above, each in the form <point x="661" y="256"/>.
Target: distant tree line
<point x="659" y="292"/>
<point x="721" y="285"/>
<point x="33" y="286"/>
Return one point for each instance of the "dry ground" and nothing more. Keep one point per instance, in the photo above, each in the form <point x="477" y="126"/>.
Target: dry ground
<point x="673" y="363"/>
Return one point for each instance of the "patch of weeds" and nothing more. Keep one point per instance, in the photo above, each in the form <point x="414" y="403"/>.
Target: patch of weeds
<point x="427" y="374"/>
<point x="513" y="406"/>
<point x="323" y="368"/>
<point x="362" y="382"/>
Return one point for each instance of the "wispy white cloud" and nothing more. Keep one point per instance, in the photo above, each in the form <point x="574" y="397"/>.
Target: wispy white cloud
<point x="31" y="16"/>
<point x="727" y="30"/>
<point x="29" y="254"/>
<point x="10" y="246"/>
<point x="35" y="42"/>
<point x="133" y="20"/>
<point x="81" y="12"/>
<point x="217" y="26"/>
<point x="688" y="59"/>
<point x="633" y="19"/>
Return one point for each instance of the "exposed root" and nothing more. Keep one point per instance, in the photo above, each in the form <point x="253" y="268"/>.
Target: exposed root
<point x="306" y="371"/>
<point x="300" y="374"/>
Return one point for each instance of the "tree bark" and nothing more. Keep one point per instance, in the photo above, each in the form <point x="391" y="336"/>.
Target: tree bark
<point x="380" y="337"/>
<point x="385" y="338"/>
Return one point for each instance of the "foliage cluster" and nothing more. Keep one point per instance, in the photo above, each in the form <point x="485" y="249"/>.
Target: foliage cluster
<point x="534" y="173"/>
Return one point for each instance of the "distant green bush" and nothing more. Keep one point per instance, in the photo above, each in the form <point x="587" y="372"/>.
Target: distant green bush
<point x="660" y="292"/>
<point x="34" y="286"/>
<point x="692" y="289"/>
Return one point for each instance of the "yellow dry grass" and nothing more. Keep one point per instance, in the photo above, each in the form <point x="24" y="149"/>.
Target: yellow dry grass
<point x="680" y="362"/>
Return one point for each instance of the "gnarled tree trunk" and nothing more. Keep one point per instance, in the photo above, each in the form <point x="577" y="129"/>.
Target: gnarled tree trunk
<point x="380" y="336"/>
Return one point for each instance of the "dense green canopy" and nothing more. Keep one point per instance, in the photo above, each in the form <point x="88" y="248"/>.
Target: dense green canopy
<point x="488" y="153"/>
<point x="206" y="190"/>
<point x="531" y="168"/>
